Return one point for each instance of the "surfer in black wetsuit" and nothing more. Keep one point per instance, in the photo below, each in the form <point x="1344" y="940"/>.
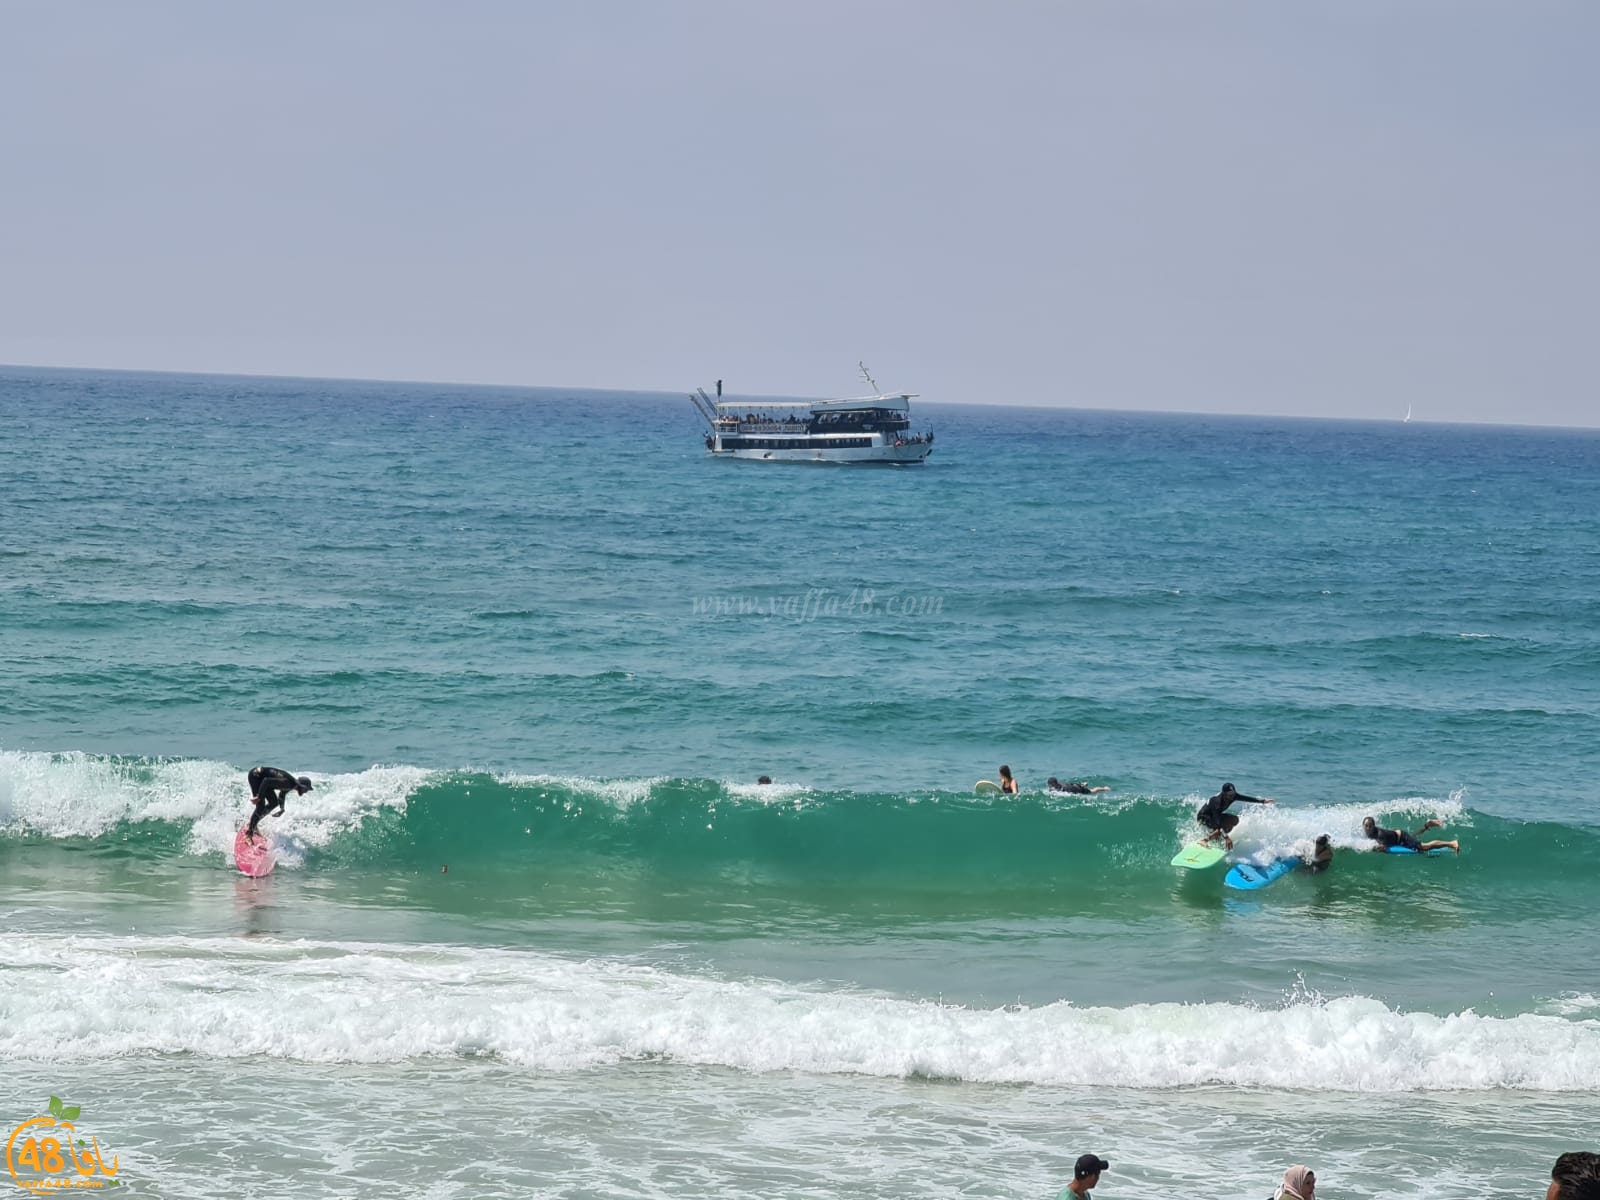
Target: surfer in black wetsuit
<point x="268" y="787"/>
<point x="1389" y="838"/>
<point x="1214" y="814"/>
<point x="1073" y="789"/>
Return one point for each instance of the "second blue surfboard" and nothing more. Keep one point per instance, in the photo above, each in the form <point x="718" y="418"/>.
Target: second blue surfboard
<point x="1251" y="877"/>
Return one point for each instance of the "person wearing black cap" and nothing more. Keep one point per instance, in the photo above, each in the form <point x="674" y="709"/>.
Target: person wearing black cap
<point x="1085" y="1175"/>
<point x="268" y="787"/>
<point x="1214" y="814"/>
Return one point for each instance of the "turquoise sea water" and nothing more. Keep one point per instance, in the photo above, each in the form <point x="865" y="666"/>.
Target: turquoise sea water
<point x="538" y="930"/>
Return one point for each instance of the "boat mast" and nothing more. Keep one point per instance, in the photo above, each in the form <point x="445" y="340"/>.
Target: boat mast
<point x="704" y="406"/>
<point x="867" y="375"/>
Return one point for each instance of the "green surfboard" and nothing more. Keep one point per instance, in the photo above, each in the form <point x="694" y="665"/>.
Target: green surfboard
<point x="1197" y="857"/>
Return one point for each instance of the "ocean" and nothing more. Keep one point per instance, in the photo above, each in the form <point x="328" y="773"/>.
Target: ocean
<point x="538" y="931"/>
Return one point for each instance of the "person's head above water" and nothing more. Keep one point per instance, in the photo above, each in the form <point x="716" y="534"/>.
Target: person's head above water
<point x="1299" y="1183"/>
<point x="1368" y="825"/>
<point x="302" y="785"/>
<point x="1005" y="772"/>
<point x="765" y="779"/>
<point x="1088" y="1166"/>
<point x="1576" y="1176"/>
<point x="1228" y="789"/>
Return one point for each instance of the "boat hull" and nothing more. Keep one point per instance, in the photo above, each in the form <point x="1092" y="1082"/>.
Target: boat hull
<point x="909" y="453"/>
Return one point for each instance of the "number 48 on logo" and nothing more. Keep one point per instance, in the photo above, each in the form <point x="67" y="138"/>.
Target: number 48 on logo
<point x="48" y="1156"/>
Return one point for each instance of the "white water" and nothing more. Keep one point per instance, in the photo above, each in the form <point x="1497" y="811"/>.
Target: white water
<point x="338" y="1002"/>
<point x="73" y="794"/>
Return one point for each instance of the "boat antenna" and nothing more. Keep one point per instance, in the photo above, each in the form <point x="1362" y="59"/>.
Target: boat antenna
<point x="867" y="375"/>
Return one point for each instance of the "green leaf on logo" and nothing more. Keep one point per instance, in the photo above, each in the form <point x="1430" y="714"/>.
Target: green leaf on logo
<point x="55" y="1106"/>
<point x="71" y="1113"/>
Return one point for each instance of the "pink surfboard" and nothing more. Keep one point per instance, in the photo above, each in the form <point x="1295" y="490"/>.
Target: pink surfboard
<point x="254" y="858"/>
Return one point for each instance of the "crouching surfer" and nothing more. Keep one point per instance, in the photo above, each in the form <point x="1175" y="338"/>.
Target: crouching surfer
<point x="268" y="787"/>
<point x="1214" y="814"/>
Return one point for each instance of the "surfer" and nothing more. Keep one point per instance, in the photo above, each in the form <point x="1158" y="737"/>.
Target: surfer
<point x="1085" y="1175"/>
<point x="1389" y="838"/>
<point x="1074" y="789"/>
<point x="1008" y="785"/>
<point x="1214" y="814"/>
<point x="268" y="787"/>
<point x="1321" y="854"/>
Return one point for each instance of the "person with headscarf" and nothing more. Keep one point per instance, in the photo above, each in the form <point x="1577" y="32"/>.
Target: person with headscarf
<point x="1299" y="1183"/>
<point x="1321" y="854"/>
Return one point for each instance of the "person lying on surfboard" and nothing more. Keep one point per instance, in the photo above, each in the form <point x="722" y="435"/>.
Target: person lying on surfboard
<point x="1214" y="814"/>
<point x="268" y="787"/>
<point x="1073" y="789"/>
<point x="1387" y="838"/>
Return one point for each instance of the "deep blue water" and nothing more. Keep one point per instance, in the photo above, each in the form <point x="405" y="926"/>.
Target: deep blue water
<point x="354" y="573"/>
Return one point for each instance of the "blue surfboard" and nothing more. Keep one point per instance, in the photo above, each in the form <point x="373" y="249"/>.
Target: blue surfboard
<point x="1250" y="877"/>
<point x="1409" y="850"/>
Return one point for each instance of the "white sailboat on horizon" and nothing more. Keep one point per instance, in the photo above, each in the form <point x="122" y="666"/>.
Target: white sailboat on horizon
<point x="1407" y="417"/>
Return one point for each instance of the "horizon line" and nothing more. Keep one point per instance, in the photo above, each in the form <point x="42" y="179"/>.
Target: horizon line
<point x="756" y="397"/>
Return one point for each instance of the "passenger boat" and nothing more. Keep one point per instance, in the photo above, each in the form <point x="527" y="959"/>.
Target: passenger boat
<point x="865" y="429"/>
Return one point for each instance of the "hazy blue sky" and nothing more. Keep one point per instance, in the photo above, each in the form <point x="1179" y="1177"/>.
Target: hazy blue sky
<point x="1277" y="207"/>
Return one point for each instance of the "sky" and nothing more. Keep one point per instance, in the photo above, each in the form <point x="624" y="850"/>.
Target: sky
<point x="1298" y="208"/>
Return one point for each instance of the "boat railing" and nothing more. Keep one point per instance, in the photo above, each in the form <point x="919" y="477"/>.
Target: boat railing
<point x="771" y="426"/>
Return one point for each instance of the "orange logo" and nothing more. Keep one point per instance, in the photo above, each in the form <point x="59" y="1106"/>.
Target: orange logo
<point x="59" y="1159"/>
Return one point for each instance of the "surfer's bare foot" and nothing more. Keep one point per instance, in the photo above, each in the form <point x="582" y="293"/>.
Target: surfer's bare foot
<point x="1456" y="846"/>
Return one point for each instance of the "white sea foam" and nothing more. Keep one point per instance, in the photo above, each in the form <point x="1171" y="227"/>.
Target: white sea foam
<point x="82" y="795"/>
<point x="1576" y="1004"/>
<point x="92" y="998"/>
<point x="793" y="794"/>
